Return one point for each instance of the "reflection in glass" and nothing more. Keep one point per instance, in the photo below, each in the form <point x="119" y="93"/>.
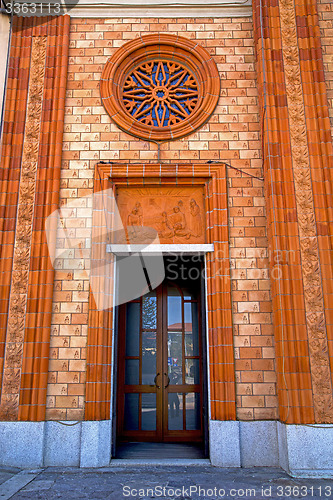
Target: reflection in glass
<point x="131" y="414"/>
<point x="148" y="412"/>
<point x="132" y="328"/>
<point x="188" y="295"/>
<point x="175" y="375"/>
<point x="191" y="329"/>
<point x="175" y="357"/>
<point x="132" y="372"/>
<point x="193" y="411"/>
<point x="174" y="308"/>
<point x="192" y="369"/>
<point x="149" y="311"/>
<point x="175" y="411"/>
<point x="148" y="357"/>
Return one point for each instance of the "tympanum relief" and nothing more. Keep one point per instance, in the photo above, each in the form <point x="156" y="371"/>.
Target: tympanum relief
<point x="174" y="215"/>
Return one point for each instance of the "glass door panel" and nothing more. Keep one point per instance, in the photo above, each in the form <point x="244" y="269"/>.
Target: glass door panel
<point x="174" y="308"/>
<point x="175" y="358"/>
<point x="182" y="382"/>
<point x="132" y="372"/>
<point x="159" y="393"/>
<point x="193" y="411"/>
<point x="149" y="311"/>
<point x="133" y="312"/>
<point x="131" y="421"/>
<point x="175" y="412"/>
<point x="148" y="412"/>
<point x="139" y="401"/>
<point x="148" y="340"/>
<point x="191" y="329"/>
<point x="148" y="357"/>
<point x="192" y="370"/>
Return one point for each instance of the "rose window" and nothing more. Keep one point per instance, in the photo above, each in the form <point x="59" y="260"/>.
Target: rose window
<point x="160" y="93"/>
<point x="160" y="87"/>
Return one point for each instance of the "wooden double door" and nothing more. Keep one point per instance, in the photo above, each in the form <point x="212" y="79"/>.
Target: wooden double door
<point x="160" y="389"/>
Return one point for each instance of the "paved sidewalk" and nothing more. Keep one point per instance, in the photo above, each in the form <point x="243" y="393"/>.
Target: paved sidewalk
<point x="150" y="482"/>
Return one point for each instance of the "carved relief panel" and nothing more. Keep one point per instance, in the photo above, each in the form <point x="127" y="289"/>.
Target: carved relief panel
<point x="177" y="215"/>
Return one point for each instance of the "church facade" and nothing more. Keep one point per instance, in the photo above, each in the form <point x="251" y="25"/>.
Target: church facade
<point x="166" y="233"/>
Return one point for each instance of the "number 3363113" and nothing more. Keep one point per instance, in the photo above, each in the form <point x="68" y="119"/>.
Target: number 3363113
<point x="30" y="8"/>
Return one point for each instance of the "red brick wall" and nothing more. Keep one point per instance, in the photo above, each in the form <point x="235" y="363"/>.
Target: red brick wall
<point x="252" y="308"/>
<point x="231" y="135"/>
<point x="325" y="11"/>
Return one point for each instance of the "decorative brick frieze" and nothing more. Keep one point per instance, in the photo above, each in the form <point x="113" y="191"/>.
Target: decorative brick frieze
<point x="12" y="145"/>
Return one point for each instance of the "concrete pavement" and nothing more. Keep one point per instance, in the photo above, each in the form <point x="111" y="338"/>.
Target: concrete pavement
<point x="150" y="482"/>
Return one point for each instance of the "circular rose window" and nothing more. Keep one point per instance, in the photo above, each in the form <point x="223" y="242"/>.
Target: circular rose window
<point x="160" y="87"/>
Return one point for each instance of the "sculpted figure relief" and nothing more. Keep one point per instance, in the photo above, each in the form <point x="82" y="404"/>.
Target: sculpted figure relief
<point x="196" y="221"/>
<point x="177" y="215"/>
<point x="135" y="218"/>
<point x="176" y="223"/>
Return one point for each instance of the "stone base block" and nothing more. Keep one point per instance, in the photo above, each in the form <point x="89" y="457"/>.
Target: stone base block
<point x="306" y="451"/>
<point x="40" y="444"/>
<point x="21" y="444"/>
<point x="259" y="444"/>
<point x="224" y="443"/>
<point x="302" y="451"/>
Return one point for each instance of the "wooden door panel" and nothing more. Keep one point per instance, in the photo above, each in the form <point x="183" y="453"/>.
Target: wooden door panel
<point x="160" y="366"/>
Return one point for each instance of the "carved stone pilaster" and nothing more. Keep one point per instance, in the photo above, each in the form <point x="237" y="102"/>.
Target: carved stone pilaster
<point x="312" y="279"/>
<point x="21" y="260"/>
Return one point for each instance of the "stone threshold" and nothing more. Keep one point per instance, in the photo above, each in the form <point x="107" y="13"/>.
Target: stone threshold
<point x="181" y="462"/>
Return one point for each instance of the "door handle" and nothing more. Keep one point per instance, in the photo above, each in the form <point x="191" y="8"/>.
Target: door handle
<point x="155" y="380"/>
<point x="168" y="380"/>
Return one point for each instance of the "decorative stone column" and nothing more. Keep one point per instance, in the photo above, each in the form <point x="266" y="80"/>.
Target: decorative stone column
<point x="30" y="178"/>
<point x="297" y="156"/>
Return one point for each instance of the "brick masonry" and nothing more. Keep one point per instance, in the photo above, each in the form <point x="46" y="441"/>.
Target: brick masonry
<point x="325" y="15"/>
<point x="231" y="135"/>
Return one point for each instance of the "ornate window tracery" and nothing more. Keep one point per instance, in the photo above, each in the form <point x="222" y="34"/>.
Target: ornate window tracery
<point x="160" y="93"/>
<point x="160" y="87"/>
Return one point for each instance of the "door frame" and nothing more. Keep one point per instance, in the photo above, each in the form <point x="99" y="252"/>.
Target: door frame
<point x="177" y="250"/>
<point x="213" y="179"/>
